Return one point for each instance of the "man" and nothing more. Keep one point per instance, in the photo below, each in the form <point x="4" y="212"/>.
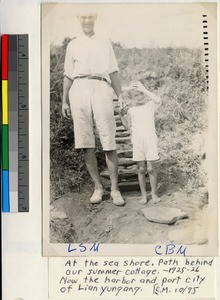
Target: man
<point x="90" y="73"/>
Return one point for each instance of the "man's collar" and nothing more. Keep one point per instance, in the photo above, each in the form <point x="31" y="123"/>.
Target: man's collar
<point x="89" y="37"/>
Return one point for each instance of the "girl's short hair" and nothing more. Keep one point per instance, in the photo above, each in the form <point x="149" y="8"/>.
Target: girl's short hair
<point x="132" y="97"/>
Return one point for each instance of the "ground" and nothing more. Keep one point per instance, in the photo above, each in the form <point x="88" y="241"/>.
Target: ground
<point x="75" y="220"/>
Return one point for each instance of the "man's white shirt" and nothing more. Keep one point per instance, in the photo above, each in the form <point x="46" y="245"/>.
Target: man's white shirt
<point x="90" y="56"/>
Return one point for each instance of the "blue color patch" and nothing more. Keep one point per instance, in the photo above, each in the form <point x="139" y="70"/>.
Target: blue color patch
<point x="5" y="191"/>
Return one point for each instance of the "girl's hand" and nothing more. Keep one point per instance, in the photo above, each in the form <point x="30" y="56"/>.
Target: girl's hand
<point x="138" y="86"/>
<point x="123" y="111"/>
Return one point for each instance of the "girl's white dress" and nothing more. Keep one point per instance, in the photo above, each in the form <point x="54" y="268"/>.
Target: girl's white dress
<point x="144" y="138"/>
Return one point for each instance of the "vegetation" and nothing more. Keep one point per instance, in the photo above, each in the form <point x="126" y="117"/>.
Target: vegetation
<point x="178" y="76"/>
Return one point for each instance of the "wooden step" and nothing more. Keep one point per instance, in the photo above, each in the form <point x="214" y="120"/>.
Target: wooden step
<point x="116" y="105"/>
<point x="117" y="118"/>
<point x="128" y="186"/>
<point x="131" y="166"/>
<point x="120" y="129"/>
<point x="116" y="111"/>
<point x="122" y="173"/>
<point x="120" y="168"/>
<point x="118" y="123"/>
<point x="126" y="162"/>
<point x="122" y="134"/>
<point x="125" y="153"/>
<point x="123" y="147"/>
<point x="123" y="140"/>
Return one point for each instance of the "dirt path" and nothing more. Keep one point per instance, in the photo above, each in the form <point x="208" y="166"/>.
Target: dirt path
<point x="75" y="220"/>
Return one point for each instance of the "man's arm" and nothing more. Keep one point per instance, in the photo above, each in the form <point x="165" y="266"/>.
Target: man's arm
<point x="116" y="85"/>
<point x="67" y="83"/>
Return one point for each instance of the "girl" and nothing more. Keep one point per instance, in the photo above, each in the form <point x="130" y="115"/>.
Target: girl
<point x="139" y="118"/>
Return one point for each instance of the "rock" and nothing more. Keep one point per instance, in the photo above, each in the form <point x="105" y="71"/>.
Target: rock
<point x="193" y="231"/>
<point x="51" y="207"/>
<point x="58" y="215"/>
<point x="126" y="162"/>
<point x="163" y="214"/>
<point x="188" y="236"/>
<point x="123" y="140"/>
<point x="182" y="222"/>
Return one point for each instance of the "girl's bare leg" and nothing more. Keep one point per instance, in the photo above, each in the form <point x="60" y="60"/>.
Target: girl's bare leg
<point x="142" y="181"/>
<point x="153" y="181"/>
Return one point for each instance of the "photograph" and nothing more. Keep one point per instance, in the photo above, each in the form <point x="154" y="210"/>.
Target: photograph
<point x="129" y="127"/>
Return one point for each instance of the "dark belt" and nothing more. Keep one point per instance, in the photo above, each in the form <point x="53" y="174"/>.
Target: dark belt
<point x="92" y="77"/>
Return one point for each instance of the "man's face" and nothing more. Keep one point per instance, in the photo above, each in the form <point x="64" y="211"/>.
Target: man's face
<point x="87" y="22"/>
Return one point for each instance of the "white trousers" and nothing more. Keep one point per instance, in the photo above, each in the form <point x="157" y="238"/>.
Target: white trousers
<point x="91" y="103"/>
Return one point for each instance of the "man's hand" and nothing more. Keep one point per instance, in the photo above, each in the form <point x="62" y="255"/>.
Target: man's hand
<point x="121" y="102"/>
<point x="66" y="110"/>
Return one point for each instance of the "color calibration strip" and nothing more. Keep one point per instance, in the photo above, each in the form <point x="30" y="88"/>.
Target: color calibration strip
<point x="5" y="144"/>
<point x="15" y="123"/>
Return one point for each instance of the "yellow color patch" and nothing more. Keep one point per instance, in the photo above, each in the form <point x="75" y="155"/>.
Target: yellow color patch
<point x="5" y="102"/>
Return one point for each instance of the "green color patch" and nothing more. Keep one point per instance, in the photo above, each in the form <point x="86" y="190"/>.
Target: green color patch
<point x="5" y="148"/>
